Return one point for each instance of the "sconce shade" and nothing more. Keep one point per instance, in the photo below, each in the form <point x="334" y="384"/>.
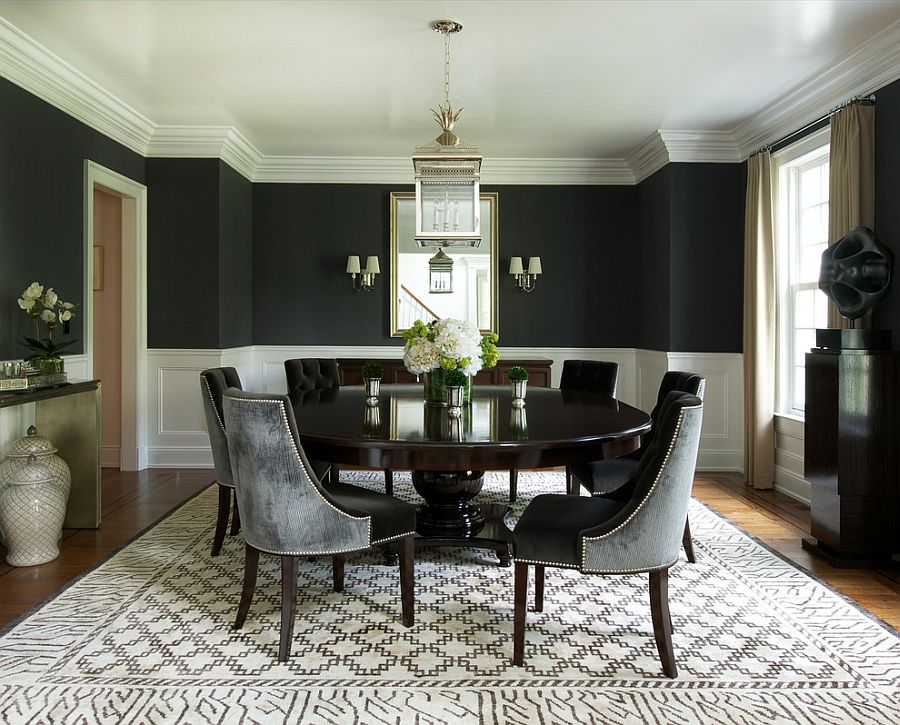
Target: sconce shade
<point x="534" y="265"/>
<point x="515" y="265"/>
<point x="353" y="264"/>
<point x="372" y="266"/>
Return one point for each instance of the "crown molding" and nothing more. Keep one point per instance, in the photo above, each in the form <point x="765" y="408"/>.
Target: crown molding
<point x="873" y="65"/>
<point x="712" y="147"/>
<point x="204" y="142"/>
<point x="648" y="157"/>
<point x="33" y="67"/>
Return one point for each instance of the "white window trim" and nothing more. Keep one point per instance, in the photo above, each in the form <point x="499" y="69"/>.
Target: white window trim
<point x="783" y="161"/>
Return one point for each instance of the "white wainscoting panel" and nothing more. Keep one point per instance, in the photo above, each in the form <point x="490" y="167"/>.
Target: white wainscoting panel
<point x="14" y="422"/>
<point x="789" y="441"/>
<point x="177" y="427"/>
<point x="177" y="430"/>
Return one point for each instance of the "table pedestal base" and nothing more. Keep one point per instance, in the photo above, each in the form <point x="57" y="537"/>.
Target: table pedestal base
<point x="449" y="518"/>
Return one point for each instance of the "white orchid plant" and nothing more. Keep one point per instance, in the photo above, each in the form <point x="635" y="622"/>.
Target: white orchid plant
<point x="449" y="344"/>
<point x="46" y="307"/>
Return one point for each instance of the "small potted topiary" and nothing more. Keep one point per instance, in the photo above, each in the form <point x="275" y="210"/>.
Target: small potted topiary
<point x="518" y="378"/>
<point x="372" y="373"/>
<point x="455" y="381"/>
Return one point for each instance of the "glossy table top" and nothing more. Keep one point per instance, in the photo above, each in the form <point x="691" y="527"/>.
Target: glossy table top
<point x="555" y="427"/>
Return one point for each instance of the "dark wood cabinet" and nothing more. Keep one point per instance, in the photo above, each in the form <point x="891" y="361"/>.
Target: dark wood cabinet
<point x="394" y="372"/>
<point x="851" y="458"/>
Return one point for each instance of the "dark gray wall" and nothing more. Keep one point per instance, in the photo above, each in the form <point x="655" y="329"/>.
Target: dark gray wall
<point x="653" y="219"/>
<point x="302" y="234"/>
<point x="235" y="258"/>
<point x="887" y="199"/>
<point x="42" y="155"/>
<point x="706" y="257"/>
<point x="183" y="253"/>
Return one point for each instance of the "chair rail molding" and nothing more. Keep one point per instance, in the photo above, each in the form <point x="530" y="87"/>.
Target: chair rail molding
<point x="177" y="431"/>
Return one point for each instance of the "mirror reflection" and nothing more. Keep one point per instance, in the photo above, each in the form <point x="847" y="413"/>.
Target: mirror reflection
<point x="431" y="282"/>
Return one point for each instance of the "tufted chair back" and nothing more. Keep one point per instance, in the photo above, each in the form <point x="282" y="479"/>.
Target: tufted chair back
<point x="213" y="384"/>
<point x="310" y="373"/>
<point x="284" y="508"/>
<point x="673" y="380"/>
<point x="593" y="376"/>
<point x="647" y="533"/>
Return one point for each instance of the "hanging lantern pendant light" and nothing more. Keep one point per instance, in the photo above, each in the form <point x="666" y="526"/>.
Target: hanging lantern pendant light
<point x="448" y="173"/>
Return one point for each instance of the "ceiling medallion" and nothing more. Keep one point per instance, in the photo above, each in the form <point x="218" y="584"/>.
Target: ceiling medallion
<point x="448" y="172"/>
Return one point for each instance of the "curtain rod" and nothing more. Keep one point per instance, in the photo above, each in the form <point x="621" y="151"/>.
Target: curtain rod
<point x="870" y="99"/>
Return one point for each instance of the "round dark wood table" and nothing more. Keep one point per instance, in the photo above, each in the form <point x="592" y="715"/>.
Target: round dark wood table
<point x="448" y="456"/>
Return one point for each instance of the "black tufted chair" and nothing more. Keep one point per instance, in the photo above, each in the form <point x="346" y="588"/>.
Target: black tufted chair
<point x="213" y="383"/>
<point x="614" y="478"/>
<point x="594" y="376"/>
<point x="288" y="512"/>
<point x="313" y="380"/>
<point x="604" y="536"/>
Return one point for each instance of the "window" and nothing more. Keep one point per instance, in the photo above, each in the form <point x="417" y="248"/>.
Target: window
<point x="801" y="235"/>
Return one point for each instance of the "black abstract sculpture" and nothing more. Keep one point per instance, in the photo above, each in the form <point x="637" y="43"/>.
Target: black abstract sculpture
<point x="856" y="272"/>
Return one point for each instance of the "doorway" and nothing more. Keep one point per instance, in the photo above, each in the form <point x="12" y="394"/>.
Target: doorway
<point x="115" y="310"/>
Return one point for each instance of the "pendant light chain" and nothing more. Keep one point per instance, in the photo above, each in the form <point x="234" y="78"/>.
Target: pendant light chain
<point x="446" y="68"/>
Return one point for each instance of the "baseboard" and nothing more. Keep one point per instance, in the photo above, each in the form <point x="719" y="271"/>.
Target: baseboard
<point x="110" y="456"/>
<point x="179" y="457"/>
<point x="720" y="460"/>
<point x="790" y="484"/>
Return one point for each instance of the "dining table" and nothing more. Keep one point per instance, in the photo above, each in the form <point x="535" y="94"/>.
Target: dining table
<point x="448" y="455"/>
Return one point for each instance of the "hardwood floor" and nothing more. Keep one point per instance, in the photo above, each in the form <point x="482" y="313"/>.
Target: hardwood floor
<point x="134" y="501"/>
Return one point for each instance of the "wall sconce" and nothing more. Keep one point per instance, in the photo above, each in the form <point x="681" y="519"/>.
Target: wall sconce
<point x="525" y="281"/>
<point x="363" y="280"/>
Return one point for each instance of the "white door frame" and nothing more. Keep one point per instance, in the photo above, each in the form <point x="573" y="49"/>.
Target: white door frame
<point x="133" y="456"/>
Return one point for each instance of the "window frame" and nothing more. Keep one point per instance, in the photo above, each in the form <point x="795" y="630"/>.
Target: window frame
<point x="790" y="161"/>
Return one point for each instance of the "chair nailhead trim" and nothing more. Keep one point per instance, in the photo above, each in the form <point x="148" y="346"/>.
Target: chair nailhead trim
<point x="213" y="403"/>
<point x="538" y="562"/>
<point x="646" y="498"/>
<point x="330" y="553"/>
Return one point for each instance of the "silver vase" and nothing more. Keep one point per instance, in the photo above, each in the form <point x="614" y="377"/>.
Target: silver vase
<point x="455" y="400"/>
<point x="519" y="388"/>
<point x="373" y="386"/>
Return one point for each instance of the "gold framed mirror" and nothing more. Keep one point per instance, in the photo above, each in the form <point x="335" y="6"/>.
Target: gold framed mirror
<point x="433" y="282"/>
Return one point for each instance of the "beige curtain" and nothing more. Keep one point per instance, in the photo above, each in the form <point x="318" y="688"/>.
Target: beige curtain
<point x="759" y="325"/>
<point x="851" y="183"/>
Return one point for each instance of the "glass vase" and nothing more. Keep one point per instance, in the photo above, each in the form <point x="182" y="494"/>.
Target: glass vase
<point x="436" y="388"/>
<point x="50" y="365"/>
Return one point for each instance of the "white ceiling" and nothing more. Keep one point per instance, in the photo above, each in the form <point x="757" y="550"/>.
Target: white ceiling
<point x="566" y="80"/>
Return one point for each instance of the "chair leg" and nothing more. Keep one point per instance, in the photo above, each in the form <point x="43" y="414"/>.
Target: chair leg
<point x="388" y="481"/>
<point x="538" y="588"/>
<point x="288" y="601"/>
<point x="221" y="518"/>
<point x="407" y="580"/>
<point x="337" y="571"/>
<point x="687" y="542"/>
<point x="520" y="598"/>
<point x="572" y="485"/>
<point x="662" y="629"/>
<point x="235" y="517"/>
<point x="513" y="485"/>
<point x="251" y="564"/>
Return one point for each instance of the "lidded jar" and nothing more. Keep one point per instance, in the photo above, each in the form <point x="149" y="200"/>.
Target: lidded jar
<point x="44" y="451"/>
<point x="32" y="509"/>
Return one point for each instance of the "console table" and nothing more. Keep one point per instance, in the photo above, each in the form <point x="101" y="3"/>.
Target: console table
<point x="538" y="371"/>
<point x="69" y="415"/>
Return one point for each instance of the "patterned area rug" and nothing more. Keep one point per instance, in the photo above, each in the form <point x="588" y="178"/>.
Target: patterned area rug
<point x="146" y="638"/>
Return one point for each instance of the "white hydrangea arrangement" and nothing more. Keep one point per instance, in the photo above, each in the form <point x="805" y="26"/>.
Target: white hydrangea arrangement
<point x="449" y="344"/>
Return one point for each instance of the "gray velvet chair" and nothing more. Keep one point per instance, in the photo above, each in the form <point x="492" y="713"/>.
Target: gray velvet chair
<point x="288" y="512"/>
<point x="213" y="383"/>
<point x="593" y="376"/>
<point x="604" y="536"/>
<point x="312" y="380"/>
<point x="614" y="477"/>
